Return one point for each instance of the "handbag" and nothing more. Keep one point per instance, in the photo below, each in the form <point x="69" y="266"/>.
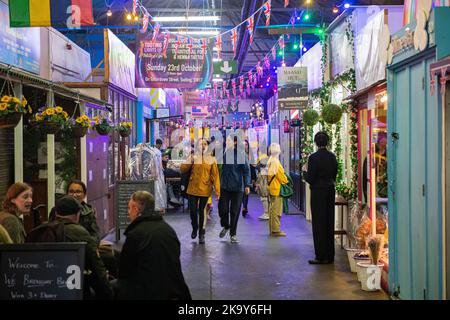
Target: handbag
<point x="287" y="190"/>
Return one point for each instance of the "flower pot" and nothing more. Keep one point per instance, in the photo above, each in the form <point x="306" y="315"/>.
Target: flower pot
<point x="10" y="120"/>
<point x="370" y="275"/>
<point x="350" y="253"/>
<point x="358" y="269"/>
<point x="124" y="133"/>
<point x="79" y="131"/>
<point x="47" y="127"/>
<point x="103" y="131"/>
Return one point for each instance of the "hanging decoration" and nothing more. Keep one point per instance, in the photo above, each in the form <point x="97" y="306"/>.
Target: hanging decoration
<point x="267" y="9"/>
<point x="165" y="44"/>
<point x="281" y="42"/>
<point x="286" y="3"/>
<point x="204" y="47"/>
<point x="224" y="88"/>
<point x="145" y="23"/>
<point x="219" y="46"/>
<point x="155" y="32"/>
<point x="177" y="45"/>
<point x="248" y="86"/>
<point x="274" y="53"/>
<point x="250" y="27"/>
<point x="134" y="7"/>
<point x="216" y="86"/>
<point x="190" y="45"/>
<point x="266" y="63"/>
<point x="233" y="87"/>
<point x="234" y="39"/>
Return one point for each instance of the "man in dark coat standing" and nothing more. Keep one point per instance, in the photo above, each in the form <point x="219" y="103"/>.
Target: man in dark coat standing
<point x="321" y="175"/>
<point x="150" y="267"/>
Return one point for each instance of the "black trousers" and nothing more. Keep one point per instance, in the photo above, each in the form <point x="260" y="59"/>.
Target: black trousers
<point x="245" y="202"/>
<point x="229" y="209"/>
<point x="322" y="212"/>
<point x="197" y="208"/>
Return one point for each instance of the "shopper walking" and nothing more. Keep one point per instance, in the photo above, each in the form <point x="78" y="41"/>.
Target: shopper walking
<point x="17" y="203"/>
<point x="234" y="183"/>
<point x="276" y="178"/>
<point x="204" y="174"/>
<point x="321" y="175"/>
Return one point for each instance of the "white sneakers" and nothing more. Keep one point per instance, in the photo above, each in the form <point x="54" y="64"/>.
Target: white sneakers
<point x="265" y="216"/>
<point x="234" y="239"/>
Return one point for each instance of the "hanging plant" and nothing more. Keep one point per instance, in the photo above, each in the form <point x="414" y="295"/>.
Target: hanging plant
<point x="80" y="126"/>
<point x="124" y="128"/>
<point x="102" y="125"/>
<point x="51" y="120"/>
<point x="310" y="117"/>
<point x="331" y="113"/>
<point x="11" y="110"/>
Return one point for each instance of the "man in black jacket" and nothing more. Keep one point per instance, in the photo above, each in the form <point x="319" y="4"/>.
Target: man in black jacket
<point x="321" y="175"/>
<point x="150" y="265"/>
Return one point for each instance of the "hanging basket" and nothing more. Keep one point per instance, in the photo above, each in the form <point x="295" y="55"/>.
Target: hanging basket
<point x="103" y="130"/>
<point x="11" y="120"/>
<point x="79" y="131"/>
<point x="47" y="127"/>
<point x="124" y="133"/>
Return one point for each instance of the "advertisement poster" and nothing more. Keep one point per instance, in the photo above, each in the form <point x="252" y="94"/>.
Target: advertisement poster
<point x="121" y="63"/>
<point x="292" y="88"/>
<point x="19" y="47"/>
<point x="171" y="62"/>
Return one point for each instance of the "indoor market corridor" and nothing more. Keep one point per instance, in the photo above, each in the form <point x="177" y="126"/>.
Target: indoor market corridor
<point x="260" y="267"/>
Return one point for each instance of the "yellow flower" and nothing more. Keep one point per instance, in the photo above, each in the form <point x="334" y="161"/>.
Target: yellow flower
<point x="85" y="117"/>
<point x="5" y="99"/>
<point x="59" y="110"/>
<point x="3" y="106"/>
<point x="24" y="101"/>
<point x="130" y="124"/>
<point x="30" y="110"/>
<point x="79" y="120"/>
<point x="16" y="100"/>
<point x="66" y="115"/>
<point x="50" y="111"/>
<point x="39" y="117"/>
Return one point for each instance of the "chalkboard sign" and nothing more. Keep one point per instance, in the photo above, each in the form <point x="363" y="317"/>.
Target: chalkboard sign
<point x="42" y="271"/>
<point x="124" y="191"/>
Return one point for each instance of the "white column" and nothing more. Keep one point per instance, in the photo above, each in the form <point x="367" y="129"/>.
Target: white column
<point x="50" y="171"/>
<point x="18" y="142"/>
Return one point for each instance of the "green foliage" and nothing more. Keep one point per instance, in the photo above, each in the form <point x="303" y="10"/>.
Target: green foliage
<point x="310" y="117"/>
<point x="331" y="113"/>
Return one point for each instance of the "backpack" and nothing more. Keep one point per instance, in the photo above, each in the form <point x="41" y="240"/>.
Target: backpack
<point x="287" y="190"/>
<point x="262" y="187"/>
<point x="47" y="232"/>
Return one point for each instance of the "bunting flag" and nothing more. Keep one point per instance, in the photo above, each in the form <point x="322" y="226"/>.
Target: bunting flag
<point x="155" y="32"/>
<point x="259" y="69"/>
<point x="51" y="13"/>
<point x="286" y="3"/>
<point x="216" y="86"/>
<point x="281" y="42"/>
<point x="247" y="83"/>
<point x="190" y="45"/>
<point x="234" y="39"/>
<point x="219" y="46"/>
<point x="224" y="88"/>
<point x="177" y="45"/>
<point x="165" y="44"/>
<point x="145" y="23"/>
<point x="267" y="63"/>
<point x="241" y="83"/>
<point x="267" y="9"/>
<point x="204" y="47"/>
<point x="233" y="86"/>
<point x="274" y="53"/>
<point x="250" y="27"/>
<point x="250" y="76"/>
<point x="134" y="6"/>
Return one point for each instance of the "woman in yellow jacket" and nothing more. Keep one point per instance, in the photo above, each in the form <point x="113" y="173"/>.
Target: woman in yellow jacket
<point x="275" y="178"/>
<point x="204" y="175"/>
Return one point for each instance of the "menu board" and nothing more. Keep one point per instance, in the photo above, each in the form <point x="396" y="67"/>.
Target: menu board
<point x="42" y="271"/>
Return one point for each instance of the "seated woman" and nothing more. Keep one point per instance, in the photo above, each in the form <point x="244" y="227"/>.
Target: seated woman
<point x="17" y="203"/>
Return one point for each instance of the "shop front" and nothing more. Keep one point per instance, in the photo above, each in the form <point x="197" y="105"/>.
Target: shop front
<point x="416" y="135"/>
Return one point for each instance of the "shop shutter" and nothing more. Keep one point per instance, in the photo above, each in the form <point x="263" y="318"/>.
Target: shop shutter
<point x="6" y="159"/>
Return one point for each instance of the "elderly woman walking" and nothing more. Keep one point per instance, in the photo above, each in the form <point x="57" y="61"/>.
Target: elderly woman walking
<point x="276" y="177"/>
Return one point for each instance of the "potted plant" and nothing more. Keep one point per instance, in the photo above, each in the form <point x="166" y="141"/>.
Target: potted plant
<point x="331" y="113"/>
<point x="80" y="125"/>
<point x="51" y="120"/>
<point x="124" y="128"/>
<point x="102" y="125"/>
<point x="11" y="110"/>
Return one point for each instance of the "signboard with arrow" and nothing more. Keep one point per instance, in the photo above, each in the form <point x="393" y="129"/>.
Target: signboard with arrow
<point x="225" y="67"/>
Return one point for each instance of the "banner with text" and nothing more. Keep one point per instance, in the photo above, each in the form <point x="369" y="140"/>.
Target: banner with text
<point x="171" y="62"/>
<point x="292" y="88"/>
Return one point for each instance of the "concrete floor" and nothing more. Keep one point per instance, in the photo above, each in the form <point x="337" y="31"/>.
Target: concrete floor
<point x="261" y="267"/>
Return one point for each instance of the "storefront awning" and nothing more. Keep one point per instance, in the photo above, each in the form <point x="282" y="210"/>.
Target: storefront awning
<point x="358" y="94"/>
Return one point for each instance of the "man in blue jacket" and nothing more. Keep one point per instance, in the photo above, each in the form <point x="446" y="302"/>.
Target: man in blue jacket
<point x="234" y="181"/>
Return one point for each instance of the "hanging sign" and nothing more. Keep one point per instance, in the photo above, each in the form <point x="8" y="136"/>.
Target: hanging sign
<point x="225" y="67"/>
<point x="292" y="88"/>
<point x="169" y="62"/>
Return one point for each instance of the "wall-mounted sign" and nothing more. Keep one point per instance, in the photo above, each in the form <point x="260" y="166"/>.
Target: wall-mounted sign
<point x="169" y="62"/>
<point x="292" y="88"/>
<point x="162" y="113"/>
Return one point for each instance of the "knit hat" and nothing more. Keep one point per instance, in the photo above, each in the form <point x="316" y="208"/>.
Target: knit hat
<point x="67" y="206"/>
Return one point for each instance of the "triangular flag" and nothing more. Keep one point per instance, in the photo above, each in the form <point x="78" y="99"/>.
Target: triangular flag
<point x="219" y="45"/>
<point x="155" y="32"/>
<point x="204" y="47"/>
<point x="267" y="9"/>
<point x="250" y="28"/>
<point x="286" y="3"/>
<point x="165" y="44"/>
<point x="274" y="53"/>
<point x="134" y="6"/>
<point x="234" y="39"/>
<point x="145" y="23"/>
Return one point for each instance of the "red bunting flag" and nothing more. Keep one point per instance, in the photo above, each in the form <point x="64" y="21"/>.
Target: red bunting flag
<point x="165" y="44"/>
<point x="145" y="22"/>
<point x="204" y="47"/>
<point x="286" y="3"/>
<point x="134" y="6"/>
<point x="241" y="83"/>
<point x="250" y="27"/>
<point x="281" y="42"/>
<point x="267" y="9"/>
<point x="259" y="69"/>
<point x="219" y="45"/>
<point x="250" y="76"/>
<point x="233" y="86"/>
<point x="266" y="63"/>
<point x="247" y="83"/>
<point x="234" y="39"/>
<point x="190" y="45"/>
<point x="177" y="45"/>
<point x="155" y="32"/>
<point x="224" y="87"/>
<point x="216" y="86"/>
<point x="274" y="53"/>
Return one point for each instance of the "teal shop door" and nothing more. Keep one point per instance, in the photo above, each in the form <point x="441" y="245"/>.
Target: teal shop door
<point x="415" y="237"/>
